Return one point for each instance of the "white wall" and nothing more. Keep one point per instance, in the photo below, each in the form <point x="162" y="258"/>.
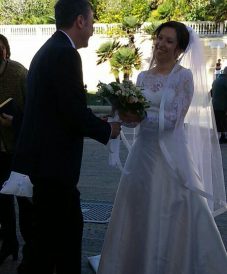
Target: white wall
<point x="23" y="49"/>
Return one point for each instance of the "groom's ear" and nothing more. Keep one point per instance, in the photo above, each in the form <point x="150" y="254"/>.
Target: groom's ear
<point x="79" y="22"/>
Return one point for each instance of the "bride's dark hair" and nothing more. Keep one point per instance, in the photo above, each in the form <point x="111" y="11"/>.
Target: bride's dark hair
<point x="181" y="31"/>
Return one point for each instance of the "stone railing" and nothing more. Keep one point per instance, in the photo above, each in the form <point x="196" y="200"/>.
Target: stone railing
<point x="207" y="28"/>
<point x="203" y="28"/>
<point x="27" y="30"/>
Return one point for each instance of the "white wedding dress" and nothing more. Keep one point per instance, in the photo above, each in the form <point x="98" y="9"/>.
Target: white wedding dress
<point x="158" y="225"/>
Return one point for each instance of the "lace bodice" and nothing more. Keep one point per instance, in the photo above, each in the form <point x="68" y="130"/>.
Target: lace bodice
<point x="178" y="97"/>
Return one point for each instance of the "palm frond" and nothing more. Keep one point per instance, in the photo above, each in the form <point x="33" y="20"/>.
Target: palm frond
<point x="106" y="50"/>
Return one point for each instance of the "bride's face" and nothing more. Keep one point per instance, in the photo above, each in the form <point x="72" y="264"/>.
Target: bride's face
<point x="166" y="46"/>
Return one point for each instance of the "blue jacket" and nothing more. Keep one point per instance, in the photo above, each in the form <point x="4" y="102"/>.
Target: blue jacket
<point x="219" y="93"/>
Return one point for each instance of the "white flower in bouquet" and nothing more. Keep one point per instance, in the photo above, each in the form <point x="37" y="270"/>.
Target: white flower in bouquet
<point x="125" y="97"/>
<point x="110" y="88"/>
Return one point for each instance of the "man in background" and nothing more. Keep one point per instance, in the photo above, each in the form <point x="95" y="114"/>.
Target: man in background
<point x="219" y="100"/>
<point x="218" y="68"/>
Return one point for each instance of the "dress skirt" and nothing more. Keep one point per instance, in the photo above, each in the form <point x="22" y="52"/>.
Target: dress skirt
<point x="158" y="226"/>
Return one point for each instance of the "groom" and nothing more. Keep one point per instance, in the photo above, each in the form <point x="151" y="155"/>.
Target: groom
<point x="50" y="146"/>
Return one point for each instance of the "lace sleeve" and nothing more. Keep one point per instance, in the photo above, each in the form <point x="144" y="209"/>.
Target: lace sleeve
<point x="187" y="94"/>
<point x="175" y="112"/>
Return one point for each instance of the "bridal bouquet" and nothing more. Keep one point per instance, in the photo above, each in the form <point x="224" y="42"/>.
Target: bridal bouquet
<point x="124" y="97"/>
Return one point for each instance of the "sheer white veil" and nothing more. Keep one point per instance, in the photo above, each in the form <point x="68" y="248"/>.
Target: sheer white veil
<point x="201" y="133"/>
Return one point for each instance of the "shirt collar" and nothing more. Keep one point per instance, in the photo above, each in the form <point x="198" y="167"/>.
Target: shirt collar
<point x="71" y="41"/>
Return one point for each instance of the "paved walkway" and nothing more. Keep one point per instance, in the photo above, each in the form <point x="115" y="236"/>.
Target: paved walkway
<point x="99" y="182"/>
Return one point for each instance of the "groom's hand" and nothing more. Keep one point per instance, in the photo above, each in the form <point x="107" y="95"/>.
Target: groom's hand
<point x="115" y="129"/>
<point x="6" y="120"/>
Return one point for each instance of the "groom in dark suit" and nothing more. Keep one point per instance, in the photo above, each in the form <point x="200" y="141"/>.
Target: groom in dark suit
<point x="50" y="146"/>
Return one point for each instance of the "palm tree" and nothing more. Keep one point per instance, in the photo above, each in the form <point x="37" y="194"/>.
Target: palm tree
<point x="125" y="60"/>
<point x="122" y="58"/>
<point x="150" y="29"/>
<point x="106" y="51"/>
<point x="130" y="25"/>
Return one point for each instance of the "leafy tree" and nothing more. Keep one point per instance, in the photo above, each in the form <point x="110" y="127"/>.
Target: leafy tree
<point x="109" y="11"/>
<point x="218" y="9"/>
<point x="113" y="11"/>
<point x="137" y="8"/>
<point x="189" y="10"/>
<point x="197" y="10"/>
<point x="26" y="11"/>
<point x="166" y="10"/>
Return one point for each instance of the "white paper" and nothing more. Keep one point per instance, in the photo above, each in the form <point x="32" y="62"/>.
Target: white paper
<point x="18" y="184"/>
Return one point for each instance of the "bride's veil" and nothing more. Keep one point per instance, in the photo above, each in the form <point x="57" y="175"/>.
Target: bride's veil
<point x="201" y="129"/>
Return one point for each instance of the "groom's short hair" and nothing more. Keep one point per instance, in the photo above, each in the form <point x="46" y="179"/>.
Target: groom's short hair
<point x="66" y="11"/>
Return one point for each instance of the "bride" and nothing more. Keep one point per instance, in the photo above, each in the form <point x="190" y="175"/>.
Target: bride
<point x="162" y="221"/>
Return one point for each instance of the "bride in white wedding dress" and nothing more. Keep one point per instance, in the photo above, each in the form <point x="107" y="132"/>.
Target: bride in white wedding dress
<point x="172" y="185"/>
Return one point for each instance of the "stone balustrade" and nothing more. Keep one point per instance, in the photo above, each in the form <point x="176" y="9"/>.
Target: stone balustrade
<point x="203" y="28"/>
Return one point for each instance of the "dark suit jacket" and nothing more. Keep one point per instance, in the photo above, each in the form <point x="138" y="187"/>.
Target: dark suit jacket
<point x="219" y="93"/>
<point x="56" y="117"/>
